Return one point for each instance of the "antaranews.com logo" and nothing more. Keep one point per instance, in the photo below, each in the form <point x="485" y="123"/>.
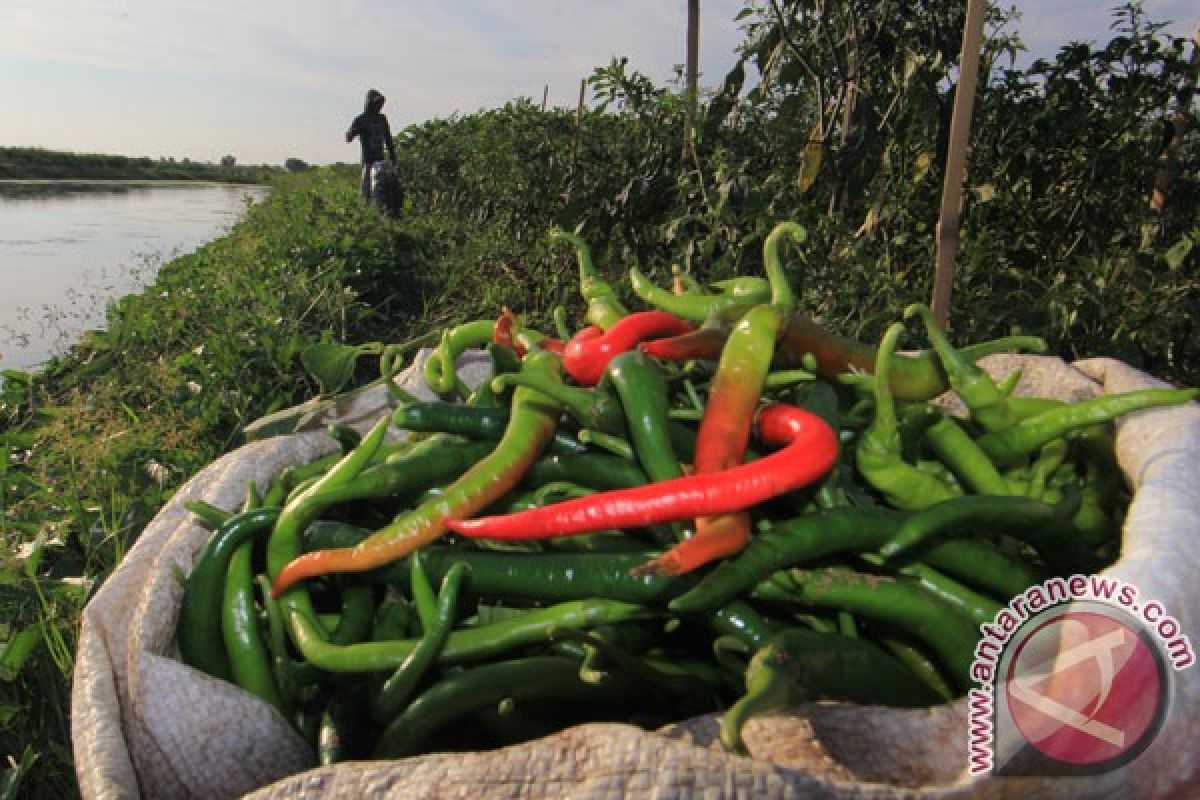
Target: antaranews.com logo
<point x="1074" y="679"/>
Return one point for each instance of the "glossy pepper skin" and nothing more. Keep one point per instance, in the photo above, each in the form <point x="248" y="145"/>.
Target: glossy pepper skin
<point x="913" y="377"/>
<point x="879" y="454"/>
<point x="200" y="638"/>
<point x="284" y="543"/>
<point x="604" y="309"/>
<point x="724" y="434"/>
<point x="644" y="400"/>
<point x="441" y="369"/>
<point x="530" y="429"/>
<point x="1022" y="439"/>
<point x="809" y="449"/>
<point x="897" y="601"/>
<point x="587" y="354"/>
<point x="696" y="307"/>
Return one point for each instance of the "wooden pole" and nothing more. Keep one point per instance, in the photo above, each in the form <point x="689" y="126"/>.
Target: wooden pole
<point x="956" y="160"/>
<point x="578" y="120"/>
<point x="693" y="72"/>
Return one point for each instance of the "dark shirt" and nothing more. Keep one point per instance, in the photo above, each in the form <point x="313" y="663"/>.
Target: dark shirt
<point x="373" y="134"/>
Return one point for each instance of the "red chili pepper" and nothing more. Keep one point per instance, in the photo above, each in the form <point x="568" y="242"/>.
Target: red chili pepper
<point x="810" y="448"/>
<point x="724" y="433"/>
<point x="702" y="344"/>
<point x="589" y="351"/>
<point x="505" y="331"/>
<point x="508" y="331"/>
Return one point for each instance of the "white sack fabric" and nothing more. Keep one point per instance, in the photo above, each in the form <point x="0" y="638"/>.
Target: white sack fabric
<point x="146" y="725"/>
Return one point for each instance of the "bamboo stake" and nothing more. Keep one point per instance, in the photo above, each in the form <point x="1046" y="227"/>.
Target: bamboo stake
<point x="693" y="73"/>
<point x="578" y="121"/>
<point x="956" y="160"/>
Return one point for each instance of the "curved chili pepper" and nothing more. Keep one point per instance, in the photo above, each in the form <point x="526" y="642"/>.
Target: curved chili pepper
<point x="396" y="691"/>
<point x="1045" y="527"/>
<point x="966" y="459"/>
<point x="464" y="644"/>
<point x="531" y="427"/>
<point x="284" y="543"/>
<point x="441" y="369"/>
<point x="781" y="290"/>
<point x="696" y="307"/>
<point x="897" y="601"/>
<point x="201" y="641"/>
<point x="879" y="454"/>
<point x="985" y="400"/>
<point x="508" y="331"/>
<point x="913" y="377"/>
<point x="589" y="351"/>
<point x="603" y="308"/>
<point x="724" y="434"/>
<point x="809" y="450"/>
<point x="1008" y="446"/>
<point x="504" y="330"/>
<point x="798" y="665"/>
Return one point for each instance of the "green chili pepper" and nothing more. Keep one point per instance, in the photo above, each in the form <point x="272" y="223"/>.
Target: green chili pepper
<point x="965" y="459"/>
<point x="987" y="403"/>
<point x="896" y="601"/>
<point x="879" y="454"/>
<point x="475" y="422"/>
<point x="644" y="400"/>
<point x="603" y="308"/>
<point x="357" y="616"/>
<point x="781" y="290"/>
<point x="534" y="677"/>
<point x="284" y="542"/>
<point x="600" y="470"/>
<point x="201" y="641"/>
<point x="248" y="656"/>
<point x="1027" y="436"/>
<point x="800" y="665"/>
<point x="696" y="307"/>
<point x="398" y="689"/>
<point x="467" y="644"/>
<point x="555" y="577"/>
<point x="336" y="736"/>
<point x="1045" y="527"/>
<point x="441" y="369"/>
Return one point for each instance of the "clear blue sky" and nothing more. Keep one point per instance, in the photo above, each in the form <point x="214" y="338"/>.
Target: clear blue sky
<point x="265" y="79"/>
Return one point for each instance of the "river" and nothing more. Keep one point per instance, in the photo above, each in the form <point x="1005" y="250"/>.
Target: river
<point x="68" y="247"/>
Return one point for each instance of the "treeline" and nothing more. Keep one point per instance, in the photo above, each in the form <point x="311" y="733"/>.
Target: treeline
<point x="36" y="163"/>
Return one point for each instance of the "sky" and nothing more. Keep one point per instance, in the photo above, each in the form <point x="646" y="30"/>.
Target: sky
<point x="267" y="80"/>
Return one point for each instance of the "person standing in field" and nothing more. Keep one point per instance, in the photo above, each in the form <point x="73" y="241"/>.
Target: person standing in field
<point x="371" y="128"/>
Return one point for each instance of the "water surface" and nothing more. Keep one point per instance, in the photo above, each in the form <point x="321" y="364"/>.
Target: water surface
<point x="67" y="248"/>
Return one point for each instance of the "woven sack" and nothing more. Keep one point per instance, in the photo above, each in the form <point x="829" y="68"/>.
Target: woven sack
<point x="146" y="725"/>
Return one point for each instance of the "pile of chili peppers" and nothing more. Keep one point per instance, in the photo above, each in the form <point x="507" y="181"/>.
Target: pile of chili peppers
<point x="709" y="504"/>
